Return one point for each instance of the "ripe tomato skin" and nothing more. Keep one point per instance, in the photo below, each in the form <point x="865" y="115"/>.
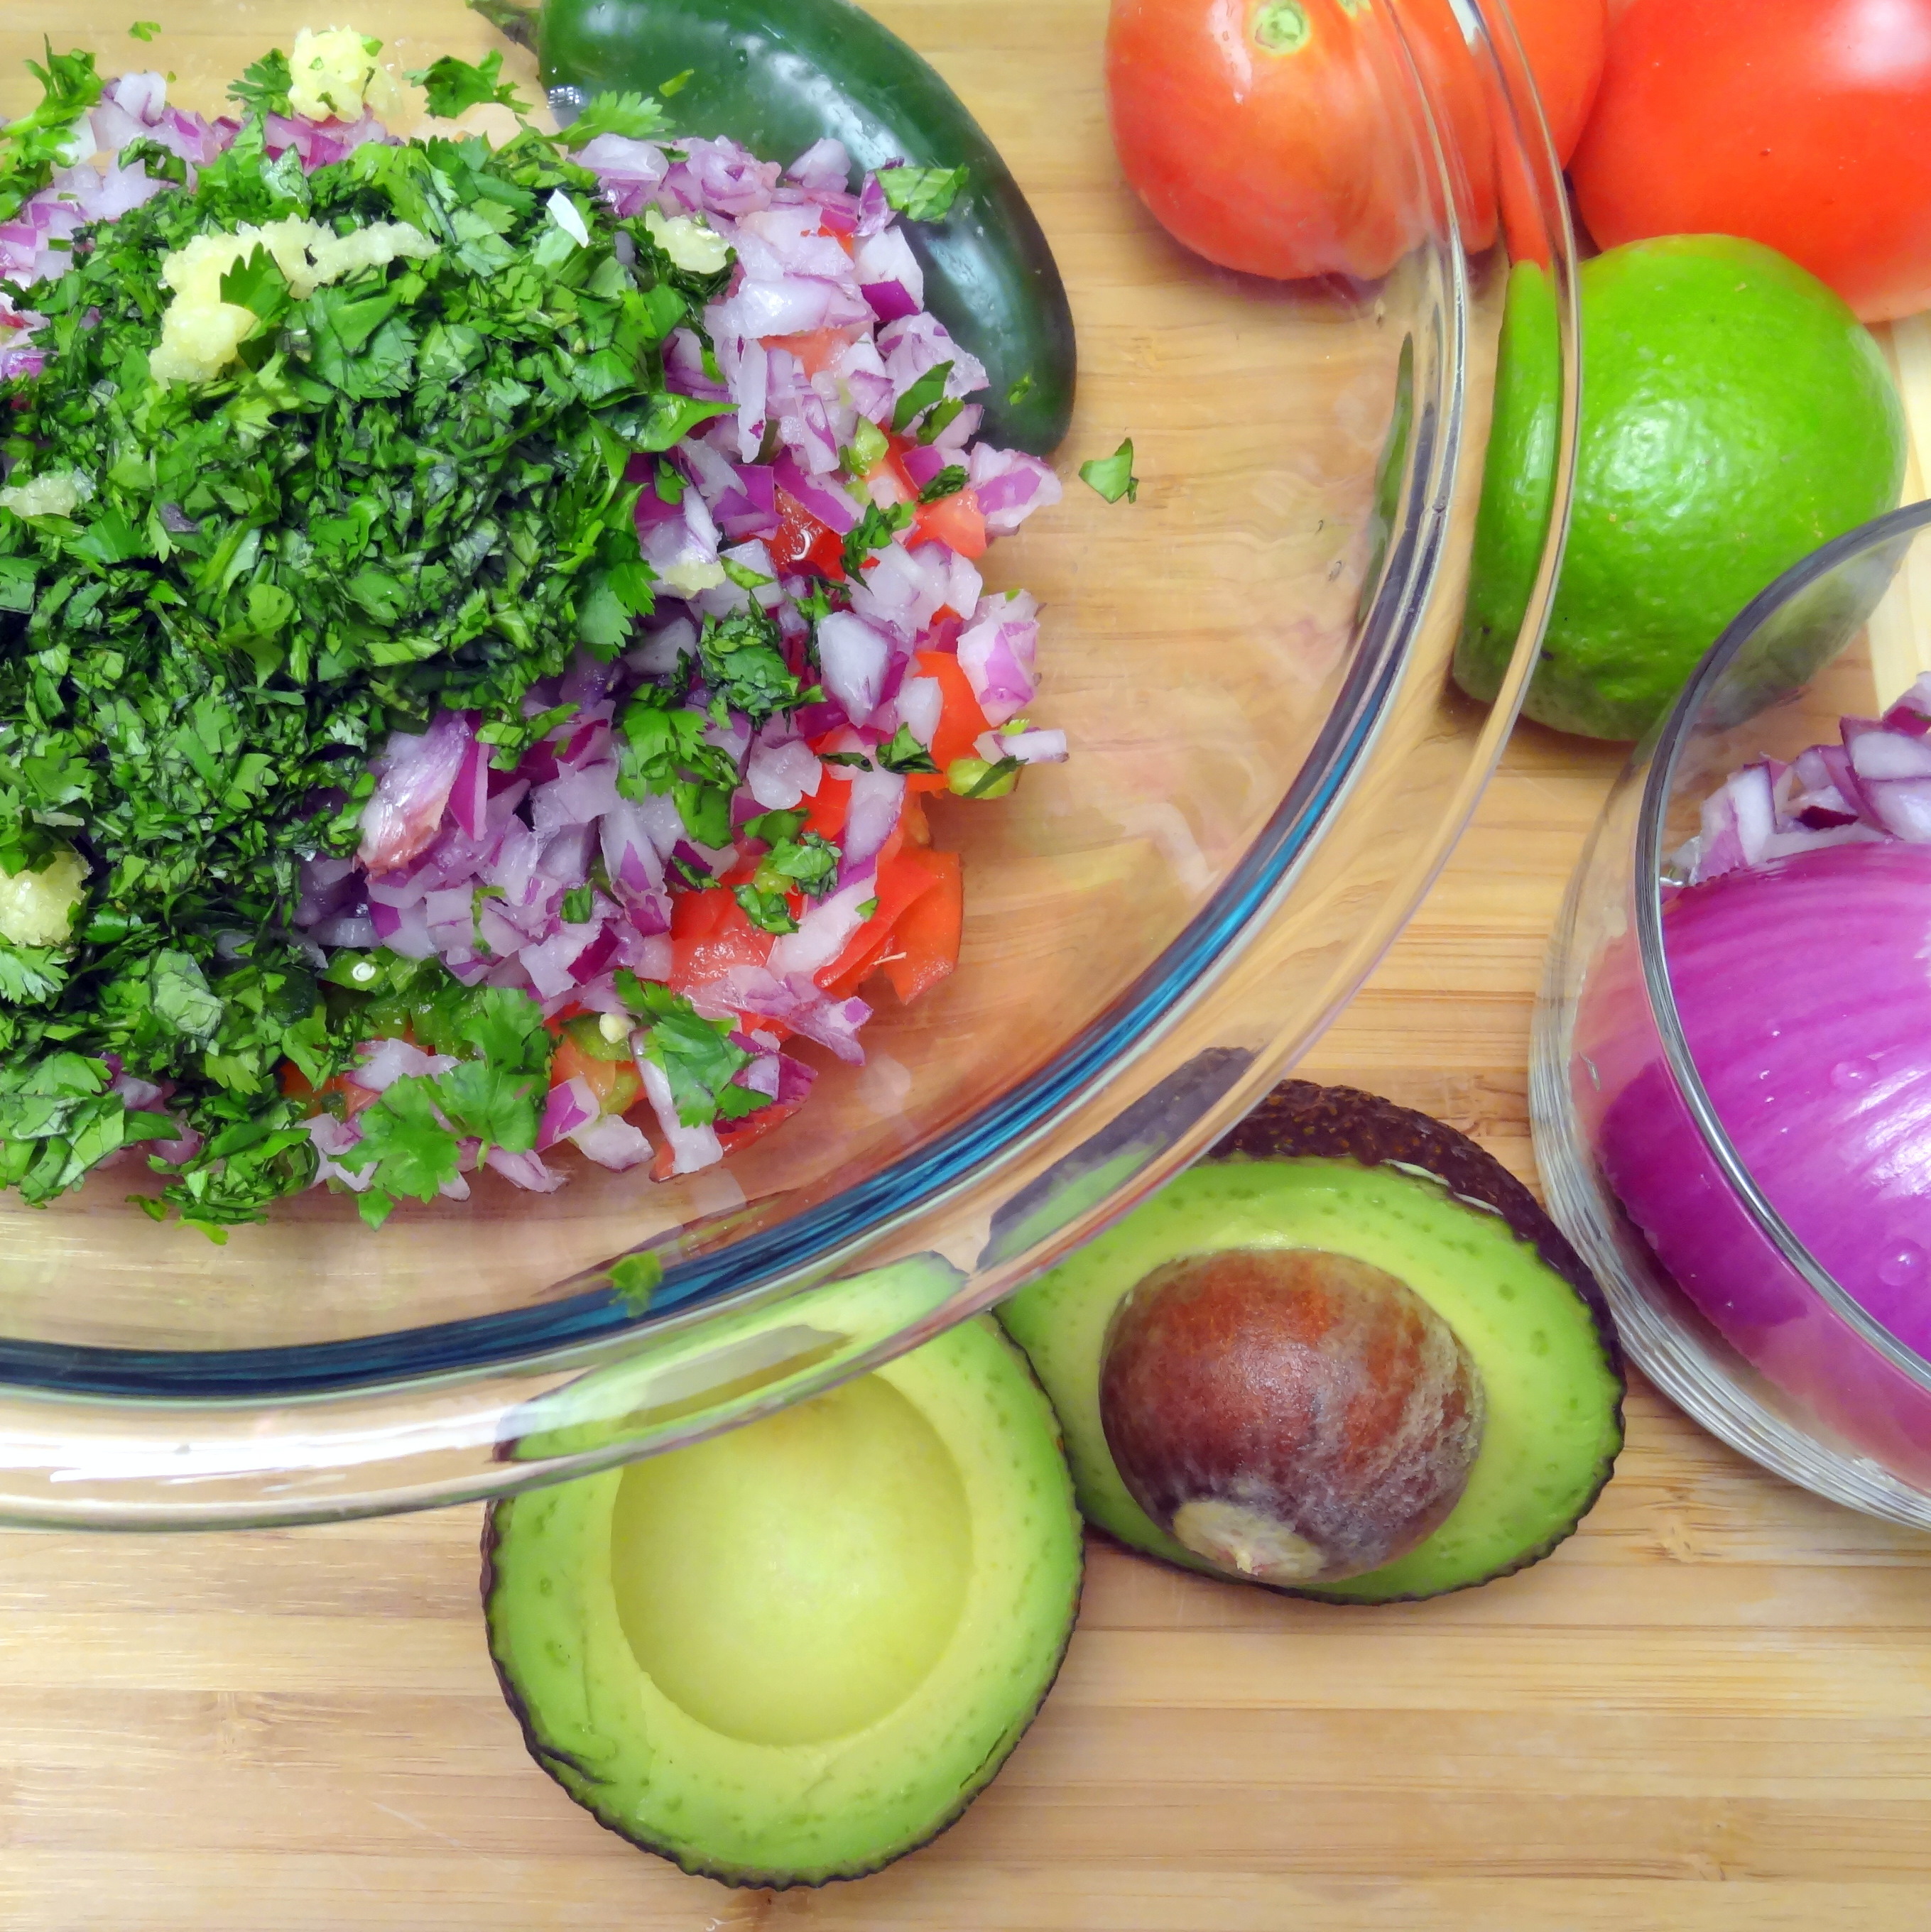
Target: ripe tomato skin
<point x="1565" y="42"/>
<point x="1805" y="124"/>
<point x="1260" y="133"/>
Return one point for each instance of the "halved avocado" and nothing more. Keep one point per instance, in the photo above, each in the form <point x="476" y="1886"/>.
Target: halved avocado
<point x="798" y="1651"/>
<point x="1332" y="1169"/>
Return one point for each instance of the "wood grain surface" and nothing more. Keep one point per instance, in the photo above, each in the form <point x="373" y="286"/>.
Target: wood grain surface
<point x="1709" y="1712"/>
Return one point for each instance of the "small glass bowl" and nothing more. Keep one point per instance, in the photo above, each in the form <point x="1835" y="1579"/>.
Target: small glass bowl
<point x="1269" y="763"/>
<point x="1769" y="1352"/>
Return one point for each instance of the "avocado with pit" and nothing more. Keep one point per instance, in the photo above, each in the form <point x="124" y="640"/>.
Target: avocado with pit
<point x="1465" y="1408"/>
<point x="798" y="1650"/>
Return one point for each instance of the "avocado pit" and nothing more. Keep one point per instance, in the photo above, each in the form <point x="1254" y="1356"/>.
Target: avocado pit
<point x="1291" y="1416"/>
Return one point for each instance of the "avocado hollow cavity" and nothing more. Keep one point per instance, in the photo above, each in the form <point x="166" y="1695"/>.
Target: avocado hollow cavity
<point x="793" y="1582"/>
<point x="1329" y="1172"/>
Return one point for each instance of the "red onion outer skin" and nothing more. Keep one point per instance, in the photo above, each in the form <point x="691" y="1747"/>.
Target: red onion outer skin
<point x="1804" y="989"/>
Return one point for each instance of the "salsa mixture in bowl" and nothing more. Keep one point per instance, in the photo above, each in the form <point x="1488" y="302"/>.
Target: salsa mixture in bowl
<point x="481" y="619"/>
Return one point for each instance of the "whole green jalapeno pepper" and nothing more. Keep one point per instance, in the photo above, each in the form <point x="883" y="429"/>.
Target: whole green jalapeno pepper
<point x="778" y="75"/>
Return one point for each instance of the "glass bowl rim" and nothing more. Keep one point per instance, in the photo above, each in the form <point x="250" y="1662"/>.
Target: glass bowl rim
<point x="1666" y="748"/>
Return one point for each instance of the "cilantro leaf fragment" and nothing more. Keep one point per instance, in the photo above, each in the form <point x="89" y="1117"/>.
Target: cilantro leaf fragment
<point x="922" y="194"/>
<point x="454" y="86"/>
<point x="145" y="30"/>
<point x="695" y="1054"/>
<point x="1113" y="476"/>
<point x="873" y="531"/>
<point x="264" y="85"/>
<point x="744" y="667"/>
<point x="905" y="753"/>
<point x="635" y="1279"/>
<point x="579" y="902"/>
<point x="32" y="147"/>
<point x="637" y="117"/>
<point x="948" y="482"/>
<point x="930" y="388"/>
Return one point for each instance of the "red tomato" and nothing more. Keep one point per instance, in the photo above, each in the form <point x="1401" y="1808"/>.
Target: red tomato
<point x="710" y="934"/>
<point x="803" y="539"/>
<point x="814" y="348"/>
<point x="1806" y="127"/>
<point x="1563" y="41"/>
<point x="616" y="1083"/>
<point x="925" y="942"/>
<point x="1262" y="136"/>
<point x="903" y="877"/>
<point x="956" y="521"/>
<point x="960" y="722"/>
<point x="825" y="810"/>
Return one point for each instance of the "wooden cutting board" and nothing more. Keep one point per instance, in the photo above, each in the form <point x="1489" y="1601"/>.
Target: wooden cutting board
<point x="1709" y="1712"/>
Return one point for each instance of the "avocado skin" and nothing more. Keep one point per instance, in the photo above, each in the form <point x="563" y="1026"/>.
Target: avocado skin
<point x="1018" y="1402"/>
<point x="1300" y="1120"/>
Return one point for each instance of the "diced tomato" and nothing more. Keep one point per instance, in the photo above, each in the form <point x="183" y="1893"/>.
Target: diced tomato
<point x="903" y="877"/>
<point x="960" y="722"/>
<point x="826" y="809"/>
<point x="888" y="474"/>
<point x="616" y="1083"/>
<point x="295" y="1084"/>
<point x="711" y="933"/>
<point x="956" y="521"/>
<point x="803" y="539"/>
<point x="925" y="942"/>
<point x="815" y="348"/>
<point x="732" y="1134"/>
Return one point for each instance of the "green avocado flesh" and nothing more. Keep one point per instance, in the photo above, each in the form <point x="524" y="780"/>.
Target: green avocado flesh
<point x="1553" y="1421"/>
<point x="798" y="1651"/>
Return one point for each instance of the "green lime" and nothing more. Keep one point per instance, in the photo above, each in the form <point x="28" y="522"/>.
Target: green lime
<point x="1735" y="415"/>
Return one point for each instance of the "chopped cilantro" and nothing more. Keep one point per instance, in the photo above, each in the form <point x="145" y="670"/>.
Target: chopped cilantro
<point x="455" y="86"/>
<point x="635" y="116"/>
<point x="579" y="902"/>
<point x="676" y="84"/>
<point x="941" y="413"/>
<point x="905" y="753"/>
<point x="922" y="194"/>
<point x="948" y="482"/>
<point x="264" y="86"/>
<point x="855" y="758"/>
<point x="695" y="1054"/>
<point x="408" y="492"/>
<point x="744" y="667"/>
<point x="635" y="1279"/>
<point x="145" y="30"/>
<point x="930" y="388"/>
<point x="873" y="531"/>
<point x="32" y="147"/>
<point x="1020" y="390"/>
<point x="1113" y="476"/>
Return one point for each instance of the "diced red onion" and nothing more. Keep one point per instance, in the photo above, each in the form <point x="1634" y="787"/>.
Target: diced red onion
<point x="778" y="775"/>
<point x="526" y="1170"/>
<point x="383" y="1062"/>
<point x="571" y="1105"/>
<point x="853" y="656"/>
<point x="823" y="932"/>
<point x="414" y="777"/>
<point x="611" y="1142"/>
<point x="691" y="1148"/>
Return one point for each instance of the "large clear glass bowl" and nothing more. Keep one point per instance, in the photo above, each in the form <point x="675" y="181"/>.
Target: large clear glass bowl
<point x="1764" y="1347"/>
<point x="1269" y="763"/>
